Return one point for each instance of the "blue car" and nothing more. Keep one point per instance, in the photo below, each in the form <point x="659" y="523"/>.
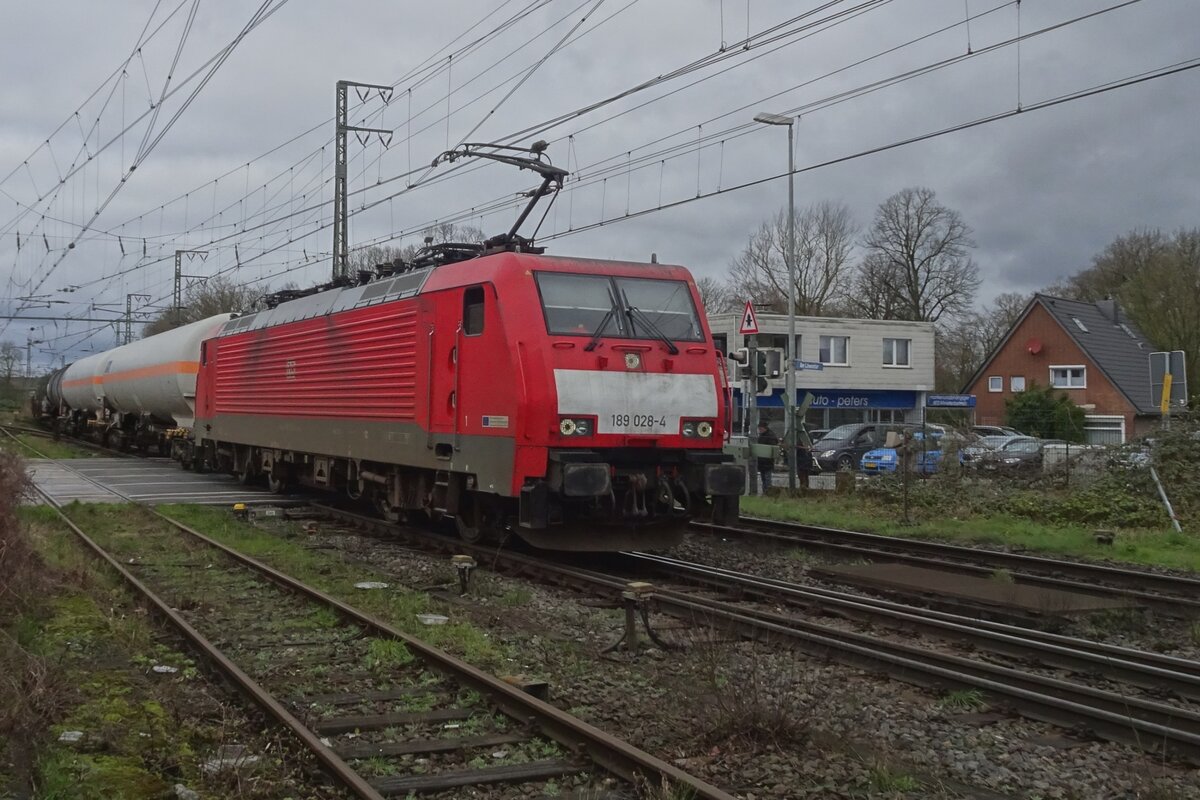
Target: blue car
<point x="885" y="459"/>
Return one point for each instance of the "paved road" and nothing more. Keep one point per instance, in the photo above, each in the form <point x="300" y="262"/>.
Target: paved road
<point x="149" y="480"/>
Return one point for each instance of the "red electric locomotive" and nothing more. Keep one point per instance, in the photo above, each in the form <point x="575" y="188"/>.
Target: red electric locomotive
<point x="577" y="402"/>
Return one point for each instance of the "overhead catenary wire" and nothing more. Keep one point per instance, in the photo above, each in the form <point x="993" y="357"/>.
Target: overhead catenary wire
<point x="627" y="166"/>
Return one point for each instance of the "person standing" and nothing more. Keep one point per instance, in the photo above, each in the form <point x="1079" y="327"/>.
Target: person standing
<point x="766" y="465"/>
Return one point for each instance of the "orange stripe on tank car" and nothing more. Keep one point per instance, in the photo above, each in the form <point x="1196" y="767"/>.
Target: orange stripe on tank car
<point x="169" y="368"/>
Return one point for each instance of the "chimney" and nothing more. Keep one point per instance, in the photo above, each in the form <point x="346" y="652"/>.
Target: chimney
<point x="1108" y="307"/>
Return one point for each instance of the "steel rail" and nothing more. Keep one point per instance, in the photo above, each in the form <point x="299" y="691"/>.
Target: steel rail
<point x="617" y="756"/>
<point x="9" y="428"/>
<point x="934" y="554"/>
<point x="1142" y="668"/>
<point x="1148" y="725"/>
<point x="251" y="688"/>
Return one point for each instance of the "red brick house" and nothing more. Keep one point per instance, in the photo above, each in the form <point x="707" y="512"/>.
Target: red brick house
<point x="1089" y="351"/>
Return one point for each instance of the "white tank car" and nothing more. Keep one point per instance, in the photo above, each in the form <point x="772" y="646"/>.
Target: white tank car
<point x="155" y="376"/>
<point x="79" y="391"/>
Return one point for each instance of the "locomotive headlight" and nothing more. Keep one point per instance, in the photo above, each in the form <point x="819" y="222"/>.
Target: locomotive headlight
<point x="579" y="426"/>
<point x="689" y="429"/>
<point x="704" y="429"/>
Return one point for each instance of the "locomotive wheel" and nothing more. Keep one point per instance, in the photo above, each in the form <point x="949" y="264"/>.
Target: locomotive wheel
<point x="385" y="509"/>
<point x="476" y="518"/>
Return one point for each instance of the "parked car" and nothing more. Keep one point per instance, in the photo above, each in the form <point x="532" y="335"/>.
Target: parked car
<point x="844" y="446"/>
<point x="1017" y="455"/>
<point x="925" y="459"/>
<point x="995" y="430"/>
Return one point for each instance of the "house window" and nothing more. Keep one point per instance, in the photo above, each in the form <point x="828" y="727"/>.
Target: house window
<point x="996" y="383"/>
<point x="1017" y="383"/>
<point x="895" y="352"/>
<point x="835" y="350"/>
<point x="1103" y="429"/>
<point x="1068" y="377"/>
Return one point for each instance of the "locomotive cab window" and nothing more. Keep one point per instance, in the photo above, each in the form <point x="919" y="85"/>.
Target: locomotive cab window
<point x="472" y="319"/>
<point x="626" y="308"/>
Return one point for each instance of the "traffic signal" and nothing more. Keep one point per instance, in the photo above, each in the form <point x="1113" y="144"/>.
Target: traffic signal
<point x="768" y="363"/>
<point x="741" y="356"/>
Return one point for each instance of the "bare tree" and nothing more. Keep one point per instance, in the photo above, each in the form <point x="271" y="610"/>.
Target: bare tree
<point x="204" y="299"/>
<point x="10" y="359"/>
<point x="824" y="242"/>
<point x="1156" y="279"/>
<point x="367" y="258"/>
<point x="441" y="233"/>
<point x="963" y="342"/>
<point x="718" y="297"/>
<point x="920" y="251"/>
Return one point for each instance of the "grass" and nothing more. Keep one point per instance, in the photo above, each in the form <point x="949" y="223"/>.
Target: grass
<point x="964" y="700"/>
<point x="1149" y="547"/>
<point x="31" y="446"/>
<point x="98" y="654"/>
<point x="884" y="778"/>
<point x="396" y="606"/>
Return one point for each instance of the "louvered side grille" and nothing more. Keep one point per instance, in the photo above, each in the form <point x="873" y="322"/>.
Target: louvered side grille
<point x="360" y="366"/>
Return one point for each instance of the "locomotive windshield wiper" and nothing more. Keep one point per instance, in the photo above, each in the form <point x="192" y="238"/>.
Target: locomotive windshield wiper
<point x="638" y="315"/>
<point x="591" y="345"/>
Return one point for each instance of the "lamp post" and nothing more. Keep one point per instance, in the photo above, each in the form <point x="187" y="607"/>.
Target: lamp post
<point x="789" y="398"/>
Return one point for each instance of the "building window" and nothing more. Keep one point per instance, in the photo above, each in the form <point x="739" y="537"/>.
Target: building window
<point x="996" y="383"/>
<point x="721" y="342"/>
<point x="1068" y="377"/>
<point x="1103" y="429"/>
<point x="1017" y="383"/>
<point x="895" y="352"/>
<point x="835" y="350"/>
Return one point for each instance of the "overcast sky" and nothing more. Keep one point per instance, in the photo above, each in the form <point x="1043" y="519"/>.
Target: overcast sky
<point x="1044" y="190"/>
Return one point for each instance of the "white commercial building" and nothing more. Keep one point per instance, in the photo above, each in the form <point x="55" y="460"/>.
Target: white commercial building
<point x="858" y="370"/>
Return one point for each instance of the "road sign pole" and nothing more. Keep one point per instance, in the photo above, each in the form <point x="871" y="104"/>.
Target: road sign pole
<point x="752" y="411"/>
<point x="1165" y="403"/>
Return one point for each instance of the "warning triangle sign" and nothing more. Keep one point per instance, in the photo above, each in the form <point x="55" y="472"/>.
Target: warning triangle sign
<point x="749" y="321"/>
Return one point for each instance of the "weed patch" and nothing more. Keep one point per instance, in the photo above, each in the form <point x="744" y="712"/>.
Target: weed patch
<point x="964" y="700"/>
<point x="750" y="705"/>
<point x="328" y="573"/>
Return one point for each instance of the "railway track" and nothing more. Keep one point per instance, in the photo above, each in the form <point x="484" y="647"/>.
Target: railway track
<point x="1173" y="593"/>
<point x="1116" y="715"/>
<point x="10" y="430"/>
<point x="365" y="698"/>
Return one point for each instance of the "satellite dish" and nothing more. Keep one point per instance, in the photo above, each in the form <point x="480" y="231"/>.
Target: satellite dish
<point x="1034" y="346"/>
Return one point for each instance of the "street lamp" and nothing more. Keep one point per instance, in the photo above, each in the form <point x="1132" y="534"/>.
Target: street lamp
<point x="789" y="398"/>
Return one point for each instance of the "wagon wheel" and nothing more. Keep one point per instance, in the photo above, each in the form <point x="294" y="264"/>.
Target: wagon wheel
<point x="477" y="518"/>
<point x="277" y="485"/>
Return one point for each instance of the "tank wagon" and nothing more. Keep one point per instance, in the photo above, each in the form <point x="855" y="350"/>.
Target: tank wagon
<point x="138" y="395"/>
<point x="577" y="402"/>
